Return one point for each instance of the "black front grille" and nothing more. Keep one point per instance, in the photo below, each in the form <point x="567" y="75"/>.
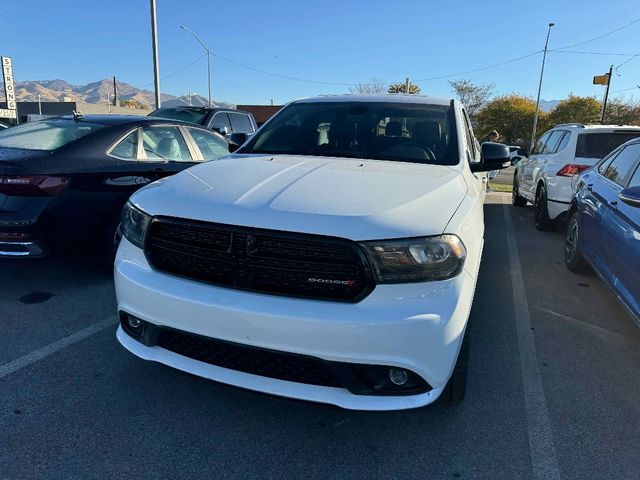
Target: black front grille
<point x="260" y="260"/>
<point x="257" y="361"/>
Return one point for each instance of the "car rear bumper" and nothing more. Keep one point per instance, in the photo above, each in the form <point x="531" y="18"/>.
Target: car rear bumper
<point x="417" y="327"/>
<point x="558" y="210"/>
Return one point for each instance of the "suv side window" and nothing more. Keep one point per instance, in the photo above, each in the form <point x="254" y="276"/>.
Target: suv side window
<point x="564" y="141"/>
<point x="241" y="123"/>
<point x="622" y="165"/>
<point x="552" y="141"/>
<point x="165" y="143"/>
<point x="635" y="179"/>
<point x="539" y="146"/>
<point x="211" y="145"/>
<point x="604" y="165"/>
<point x="220" y="120"/>
<point x="127" y="149"/>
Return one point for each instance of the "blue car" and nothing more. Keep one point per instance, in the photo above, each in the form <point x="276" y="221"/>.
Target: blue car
<point x="604" y="224"/>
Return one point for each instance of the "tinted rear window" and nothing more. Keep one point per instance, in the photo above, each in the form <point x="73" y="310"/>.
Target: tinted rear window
<point x="192" y="115"/>
<point x="46" y="134"/>
<point x="599" y="145"/>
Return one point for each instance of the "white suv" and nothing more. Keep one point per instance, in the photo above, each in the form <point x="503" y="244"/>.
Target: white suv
<point x="334" y="258"/>
<point x="545" y="177"/>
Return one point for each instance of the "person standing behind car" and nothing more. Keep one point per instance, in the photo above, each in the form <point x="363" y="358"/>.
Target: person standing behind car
<point x="492" y="136"/>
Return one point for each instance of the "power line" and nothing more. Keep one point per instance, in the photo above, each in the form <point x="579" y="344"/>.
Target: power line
<point x="440" y="77"/>
<point x="279" y="75"/>
<point x="289" y="77"/>
<point x="180" y="70"/>
<point x="601" y="36"/>
<point x="627" y="89"/>
<point x="595" y="53"/>
<point x="627" y="61"/>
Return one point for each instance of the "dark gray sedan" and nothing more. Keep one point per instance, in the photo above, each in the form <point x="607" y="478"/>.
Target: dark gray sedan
<point x="64" y="180"/>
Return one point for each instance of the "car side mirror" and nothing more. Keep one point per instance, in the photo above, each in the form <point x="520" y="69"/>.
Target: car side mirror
<point x="515" y="159"/>
<point x="236" y="140"/>
<point x="221" y="130"/>
<point x="495" y="156"/>
<point x="630" y="196"/>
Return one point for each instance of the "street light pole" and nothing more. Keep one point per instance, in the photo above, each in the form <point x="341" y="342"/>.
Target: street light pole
<point x="535" y="117"/>
<point x="208" y="58"/>
<point x="154" y="40"/>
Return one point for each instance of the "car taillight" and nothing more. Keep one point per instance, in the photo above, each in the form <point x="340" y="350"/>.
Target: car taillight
<point x="32" y="185"/>
<point x="571" y="169"/>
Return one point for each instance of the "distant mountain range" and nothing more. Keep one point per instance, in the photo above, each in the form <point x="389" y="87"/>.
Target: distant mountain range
<point x="547" y="105"/>
<point x="96" y="92"/>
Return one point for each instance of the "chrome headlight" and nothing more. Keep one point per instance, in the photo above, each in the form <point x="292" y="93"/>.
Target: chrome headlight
<point x="416" y="259"/>
<point x="134" y="224"/>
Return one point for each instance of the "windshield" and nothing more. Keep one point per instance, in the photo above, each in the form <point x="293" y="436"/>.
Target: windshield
<point x="46" y="134"/>
<point x="378" y="130"/>
<point x="192" y="115"/>
<point x="599" y="145"/>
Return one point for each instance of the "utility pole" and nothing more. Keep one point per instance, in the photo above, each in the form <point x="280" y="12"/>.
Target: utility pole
<point x="606" y="95"/>
<point x="535" y="117"/>
<point x="154" y="40"/>
<point x="407" y="84"/>
<point x="115" y="92"/>
<point x="39" y="106"/>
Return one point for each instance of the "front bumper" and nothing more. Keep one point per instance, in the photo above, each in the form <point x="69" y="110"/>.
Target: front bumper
<point x="21" y="249"/>
<point x="417" y="327"/>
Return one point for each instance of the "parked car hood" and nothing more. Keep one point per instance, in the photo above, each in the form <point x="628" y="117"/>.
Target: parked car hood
<point x="356" y="199"/>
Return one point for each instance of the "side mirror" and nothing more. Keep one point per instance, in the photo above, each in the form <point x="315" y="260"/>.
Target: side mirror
<point x="236" y="140"/>
<point x="495" y="156"/>
<point x="630" y="196"/>
<point x="221" y="130"/>
<point x="515" y="159"/>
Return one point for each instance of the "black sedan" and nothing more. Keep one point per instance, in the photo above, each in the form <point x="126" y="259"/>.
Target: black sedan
<point x="64" y="180"/>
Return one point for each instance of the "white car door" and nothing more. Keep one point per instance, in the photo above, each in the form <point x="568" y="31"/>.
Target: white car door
<point x="531" y="165"/>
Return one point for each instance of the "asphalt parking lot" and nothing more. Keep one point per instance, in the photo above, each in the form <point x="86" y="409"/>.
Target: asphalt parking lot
<point x="553" y="388"/>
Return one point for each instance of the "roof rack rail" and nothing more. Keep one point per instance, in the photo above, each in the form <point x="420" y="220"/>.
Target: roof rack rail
<point x="575" y="124"/>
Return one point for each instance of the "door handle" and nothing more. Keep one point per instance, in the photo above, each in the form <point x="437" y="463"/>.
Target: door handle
<point x="590" y="187"/>
<point x="614" y="203"/>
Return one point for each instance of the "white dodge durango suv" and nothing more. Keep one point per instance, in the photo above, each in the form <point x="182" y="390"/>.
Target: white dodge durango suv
<point x="544" y="178"/>
<point x="332" y="258"/>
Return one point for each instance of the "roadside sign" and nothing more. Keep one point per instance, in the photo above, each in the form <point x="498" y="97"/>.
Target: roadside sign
<point x="601" y="79"/>
<point x="6" y="113"/>
<point x="9" y="88"/>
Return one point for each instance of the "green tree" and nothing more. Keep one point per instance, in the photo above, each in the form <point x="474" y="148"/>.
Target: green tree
<point x="474" y="97"/>
<point x="512" y="116"/>
<point x="401" y="88"/>
<point x="575" y="110"/>
<point x="622" y="113"/>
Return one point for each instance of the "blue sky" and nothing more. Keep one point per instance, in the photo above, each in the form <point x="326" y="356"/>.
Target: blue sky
<point x="334" y="41"/>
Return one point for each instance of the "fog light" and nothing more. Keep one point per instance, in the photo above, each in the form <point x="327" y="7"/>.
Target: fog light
<point x="398" y="376"/>
<point x="134" y="322"/>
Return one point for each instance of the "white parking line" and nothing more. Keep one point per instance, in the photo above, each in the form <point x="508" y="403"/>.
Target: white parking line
<point x="543" y="453"/>
<point x="33" y="357"/>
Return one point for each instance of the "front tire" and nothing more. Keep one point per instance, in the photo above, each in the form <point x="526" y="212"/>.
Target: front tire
<point x="573" y="257"/>
<point x="543" y="222"/>
<point x="516" y="199"/>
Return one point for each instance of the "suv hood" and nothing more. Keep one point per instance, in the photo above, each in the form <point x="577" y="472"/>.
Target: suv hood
<point x="349" y="198"/>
